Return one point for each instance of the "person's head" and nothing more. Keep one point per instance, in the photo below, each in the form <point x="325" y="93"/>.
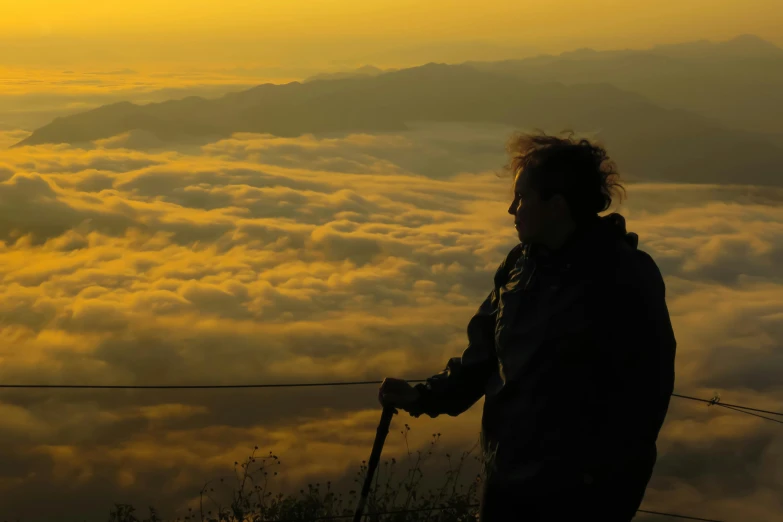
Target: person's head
<point x="558" y="184"/>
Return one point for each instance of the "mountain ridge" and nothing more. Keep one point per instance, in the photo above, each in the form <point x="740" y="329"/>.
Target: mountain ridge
<point x="660" y="141"/>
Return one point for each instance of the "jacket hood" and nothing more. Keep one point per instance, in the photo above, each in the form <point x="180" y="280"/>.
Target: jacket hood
<point x="614" y="224"/>
<point x="591" y="234"/>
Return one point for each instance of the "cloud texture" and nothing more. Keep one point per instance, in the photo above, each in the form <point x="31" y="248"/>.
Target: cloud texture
<point x="261" y="260"/>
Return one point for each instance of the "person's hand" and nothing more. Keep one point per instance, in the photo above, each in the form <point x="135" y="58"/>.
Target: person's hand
<point x="397" y="393"/>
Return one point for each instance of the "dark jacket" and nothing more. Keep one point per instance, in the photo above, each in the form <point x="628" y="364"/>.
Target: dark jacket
<point x="574" y="354"/>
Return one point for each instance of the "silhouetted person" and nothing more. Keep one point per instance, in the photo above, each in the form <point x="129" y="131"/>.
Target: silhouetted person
<point x="573" y="349"/>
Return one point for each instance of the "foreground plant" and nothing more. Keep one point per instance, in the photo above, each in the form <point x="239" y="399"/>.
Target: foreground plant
<point x="395" y="495"/>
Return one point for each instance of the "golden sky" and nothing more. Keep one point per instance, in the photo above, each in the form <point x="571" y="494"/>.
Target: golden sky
<point x="298" y="30"/>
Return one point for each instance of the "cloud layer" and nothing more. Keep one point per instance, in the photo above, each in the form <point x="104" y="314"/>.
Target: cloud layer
<point x="260" y="260"/>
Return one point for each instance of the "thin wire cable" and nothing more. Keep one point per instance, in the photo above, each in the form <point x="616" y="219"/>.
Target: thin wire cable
<point x="188" y="386"/>
<point x="751" y="413"/>
<point x="726" y="404"/>
<point x="298" y="385"/>
<point x="677" y="516"/>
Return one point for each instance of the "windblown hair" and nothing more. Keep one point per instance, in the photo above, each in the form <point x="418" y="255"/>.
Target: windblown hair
<point x="579" y="170"/>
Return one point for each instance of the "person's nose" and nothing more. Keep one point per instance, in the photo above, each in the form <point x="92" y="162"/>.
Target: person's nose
<point x="512" y="210"/>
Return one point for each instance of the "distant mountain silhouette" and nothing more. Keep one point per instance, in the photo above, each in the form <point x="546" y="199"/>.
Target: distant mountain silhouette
<point x="742" y="46"/>
<point x="739" y="82"/>
<point x="367" y="70"/>
<point x="435" y="92"/>
<point x="650" y="142"/>
<point x="443" y="51"/>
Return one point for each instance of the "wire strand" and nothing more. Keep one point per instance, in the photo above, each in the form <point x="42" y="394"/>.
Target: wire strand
<point x="305" y="385"/>
<point x="677" y="516"/>
<point x="726" y="404"/>
<point x="751" y="413"/>
<point x="187" y="386"/>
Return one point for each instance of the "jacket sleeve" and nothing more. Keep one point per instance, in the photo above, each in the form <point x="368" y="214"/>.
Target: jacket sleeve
<point x="640" y="351"/>
<point x="462" y="383"/>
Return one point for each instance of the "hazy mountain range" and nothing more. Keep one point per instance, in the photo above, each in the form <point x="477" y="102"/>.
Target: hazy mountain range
<point x="693" y="112"/>
<point x="738" y="82"/>
<point x="367" y="70"/>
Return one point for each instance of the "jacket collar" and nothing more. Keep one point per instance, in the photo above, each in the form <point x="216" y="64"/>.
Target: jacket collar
<point x="593" y="233"/>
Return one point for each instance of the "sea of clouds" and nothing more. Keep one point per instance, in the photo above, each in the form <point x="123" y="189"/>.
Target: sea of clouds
<point x="258" y="259"/>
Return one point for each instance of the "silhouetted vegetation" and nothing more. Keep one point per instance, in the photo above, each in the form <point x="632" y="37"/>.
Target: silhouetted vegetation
<point x="395" y="490"/>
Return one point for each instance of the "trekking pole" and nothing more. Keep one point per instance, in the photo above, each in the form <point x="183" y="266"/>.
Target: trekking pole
<point x="375" y="457"/>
